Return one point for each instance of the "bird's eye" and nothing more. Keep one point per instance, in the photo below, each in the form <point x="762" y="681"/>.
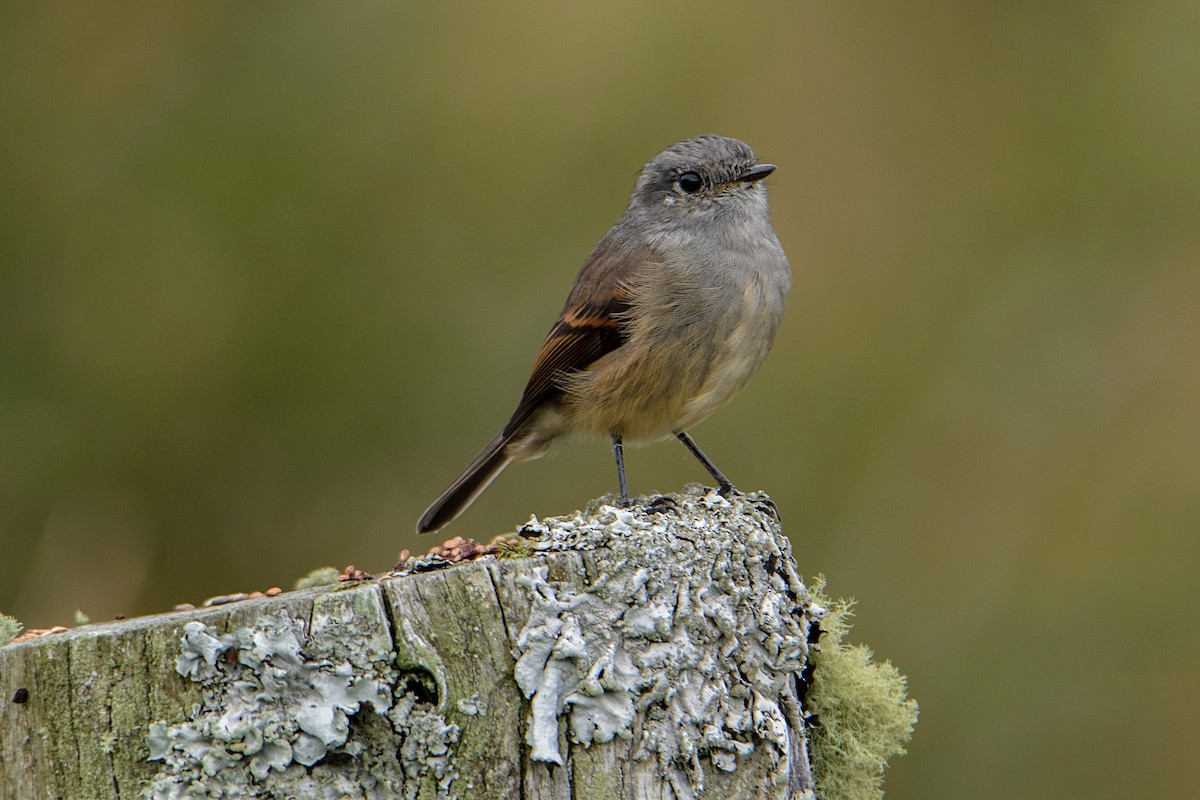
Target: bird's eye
<point x="689" y="183"/>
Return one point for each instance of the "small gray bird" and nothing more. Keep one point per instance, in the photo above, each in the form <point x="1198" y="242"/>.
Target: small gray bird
<point x="668" y="318"/>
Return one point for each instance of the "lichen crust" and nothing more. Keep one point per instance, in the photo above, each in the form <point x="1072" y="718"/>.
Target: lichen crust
<point x="687" y="642"/>
<point x="289" y="710"/>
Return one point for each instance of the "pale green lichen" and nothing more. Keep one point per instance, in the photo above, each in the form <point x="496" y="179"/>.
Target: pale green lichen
<point x="687" y="641"/>
<point x="322" y="576"/>
<point x="81" y="618"/>
<point x="863" y="713"/>
<point x="290" y="709"/>
<point x="9" y="629"/>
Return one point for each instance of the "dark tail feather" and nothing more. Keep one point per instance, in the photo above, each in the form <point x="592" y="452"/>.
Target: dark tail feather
<point x="474" y="479"/>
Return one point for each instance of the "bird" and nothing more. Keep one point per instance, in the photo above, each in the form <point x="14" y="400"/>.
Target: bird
<point x="668" y="318"/>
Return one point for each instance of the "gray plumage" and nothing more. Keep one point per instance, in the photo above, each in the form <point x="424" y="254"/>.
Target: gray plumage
<point x="669" y="317"/>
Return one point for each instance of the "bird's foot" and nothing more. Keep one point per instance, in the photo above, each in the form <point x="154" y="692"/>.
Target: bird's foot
<point x="767" y="506"/>
<point x="662" y="503"/>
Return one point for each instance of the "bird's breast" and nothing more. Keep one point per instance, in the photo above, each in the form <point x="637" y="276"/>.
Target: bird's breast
<point x="739" y="351"/>
<point x="695" y="333"/>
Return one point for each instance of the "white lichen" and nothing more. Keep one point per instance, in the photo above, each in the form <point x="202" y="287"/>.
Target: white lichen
<point x="695" y="621"/>
<point x="279" y="701"/>
<point x="472" y="706"/>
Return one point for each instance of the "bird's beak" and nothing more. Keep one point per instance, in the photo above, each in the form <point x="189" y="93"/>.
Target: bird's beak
<point x="757" y="172"/>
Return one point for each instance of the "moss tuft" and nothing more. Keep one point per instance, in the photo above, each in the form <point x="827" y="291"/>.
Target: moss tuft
<point x="865" y="716"/>
<point x="510" y="547"/>
<point x="9" y="629"/>
<point x="322" y="576"/>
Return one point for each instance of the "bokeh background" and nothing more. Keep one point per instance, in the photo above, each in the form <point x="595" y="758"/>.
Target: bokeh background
<point x="271" y="273"/>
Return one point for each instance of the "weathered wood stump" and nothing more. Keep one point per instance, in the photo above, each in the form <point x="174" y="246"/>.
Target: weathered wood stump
<point x="651" y="652"/>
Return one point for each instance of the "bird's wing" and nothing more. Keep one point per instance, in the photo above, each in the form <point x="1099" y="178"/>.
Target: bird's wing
<point x="591" y="325"/>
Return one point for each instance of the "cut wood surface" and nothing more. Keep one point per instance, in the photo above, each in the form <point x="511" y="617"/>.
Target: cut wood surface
<point x="651" y="652"/>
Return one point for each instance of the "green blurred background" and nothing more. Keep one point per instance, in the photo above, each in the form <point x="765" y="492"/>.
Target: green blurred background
<point x="273" y="272"/>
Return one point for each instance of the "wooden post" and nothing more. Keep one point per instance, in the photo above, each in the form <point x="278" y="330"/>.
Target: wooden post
<point x="651" y="652"/>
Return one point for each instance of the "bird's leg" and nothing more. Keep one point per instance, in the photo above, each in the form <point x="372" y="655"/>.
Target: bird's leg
<point x="619" y="454"/>
<point x="723" y="484"/>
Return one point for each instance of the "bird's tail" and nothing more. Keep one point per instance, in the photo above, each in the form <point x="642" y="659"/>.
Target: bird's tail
<point x="467" y="486"/>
